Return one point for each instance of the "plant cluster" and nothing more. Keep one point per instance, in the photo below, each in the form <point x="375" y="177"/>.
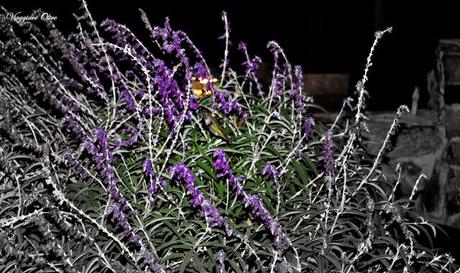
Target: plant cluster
<point x="124" y="156"/>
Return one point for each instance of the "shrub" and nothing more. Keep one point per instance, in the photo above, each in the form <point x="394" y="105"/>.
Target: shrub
<point x="120" y="156"/>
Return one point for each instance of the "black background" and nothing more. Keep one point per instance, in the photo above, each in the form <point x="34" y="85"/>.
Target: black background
<point x="322" y="36"/>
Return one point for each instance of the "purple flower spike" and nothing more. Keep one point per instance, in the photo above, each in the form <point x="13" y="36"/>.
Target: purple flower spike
<point x="221" y="165"/>
<point x="150" y="260"/>
<point x="119" y="218"/>
<point x="251" y="66"/>
<point x="297" y="90"/>
<point x="222" y="169"/>
<point x="133" y="139"/>
<point x="129" y="142"/>
<point x="258" y="209"/>
<point x="148" y="167"/>
<point x="155" y="183"/>
<point x="254" y="202"/>
<point x="180" y="172"/>
<point x="278" y="86"/>
<point x="76" y="128"/>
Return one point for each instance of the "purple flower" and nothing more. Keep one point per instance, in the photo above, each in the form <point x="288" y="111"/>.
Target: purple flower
<point x="133" y="139"/>
<point x="150" y="260"/>
<point x="298" y="83"/>
<point x="76" y="128"/>
<point x="180" y="172"/>
<point x="227" y="105"/>
<point x="72" y="162"/>
<point x="201" y="71"/>
<point x="154" y="111"/>
<point x="129" y="101"/>
<point x="308" y="127"/>
<point x="148" y="167"/>
<point x="103" y="158"/>
<point x="222" y="169"/>
<point x="161" y="32"/>
<point x="221" y="165"/>
<point x="126" y="39"/>
<point x="278" y="85"/>
<point x="297" y="90"/>
<point x="119" y="219"/>
<point x="270" y="171"/>
<point x="251" y="66"/>
<point x="130" y="142"/>
<point x="221" y="257"/>
<point x="81" y="136"/>
<point x="255" y="203"/>
<point x="155" y="182"/>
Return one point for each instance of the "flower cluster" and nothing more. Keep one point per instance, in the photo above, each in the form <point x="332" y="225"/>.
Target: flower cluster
<point x="103" y="157"/>
<point x="182" y="173"/>
<point x="124" y="38"/>
<point x="201" y="72"/>
<point x="223" y="170"/>
<point x="170" y="90"/>
<point x="271" y="172"/>
<point x="228" y="105"/>
<point x="251" y="66"/>
<point x="149" y="259"/>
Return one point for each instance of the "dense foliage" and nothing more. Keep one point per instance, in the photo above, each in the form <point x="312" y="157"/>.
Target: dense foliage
<point x="123" y="156"/>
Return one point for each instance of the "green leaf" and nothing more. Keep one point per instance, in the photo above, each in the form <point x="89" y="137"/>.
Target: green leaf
<point x="186" y="261"/>
<point x="235" y="266"/>
<point x="300" y="170"/>
<point x="207" y="168"/>
<point x="310" y="163"/>
<point x="198" y="264"/>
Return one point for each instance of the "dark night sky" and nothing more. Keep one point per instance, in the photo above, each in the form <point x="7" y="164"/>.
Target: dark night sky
<point x="323" y="36"/>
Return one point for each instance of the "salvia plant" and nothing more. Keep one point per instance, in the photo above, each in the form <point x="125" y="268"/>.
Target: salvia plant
<point x="122" y="155"/>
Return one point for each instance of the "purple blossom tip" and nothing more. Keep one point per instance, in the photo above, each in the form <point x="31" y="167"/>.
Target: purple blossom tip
<point x="270" y="171"/>
<point x="308" y="127"/>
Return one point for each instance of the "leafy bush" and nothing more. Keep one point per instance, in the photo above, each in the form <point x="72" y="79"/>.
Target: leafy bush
<point x="120" y="156"/>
